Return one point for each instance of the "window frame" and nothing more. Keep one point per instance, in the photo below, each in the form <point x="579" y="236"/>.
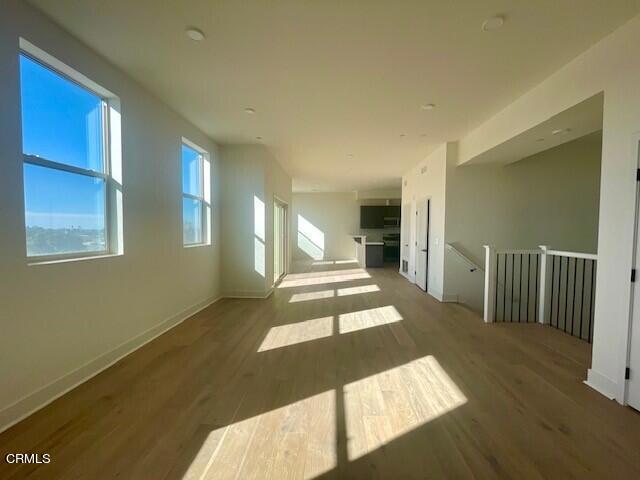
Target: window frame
<point x="113" y="233"/>
<point x="204" y="167"/>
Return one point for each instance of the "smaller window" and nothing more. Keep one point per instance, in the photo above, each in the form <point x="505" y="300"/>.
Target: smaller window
<point x="196" y="196"/>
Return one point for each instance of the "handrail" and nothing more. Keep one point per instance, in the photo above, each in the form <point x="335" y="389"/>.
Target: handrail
<point x="474" y="266"/>
<point x="561" y="253"/>
<point x="516" y="251"/>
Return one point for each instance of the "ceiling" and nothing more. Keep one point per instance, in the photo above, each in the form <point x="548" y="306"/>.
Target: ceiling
<point x="336" y="83"/>
<point x="581" y="119"/>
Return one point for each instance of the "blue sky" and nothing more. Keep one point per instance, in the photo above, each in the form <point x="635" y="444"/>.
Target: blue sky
<point x="191" y="180"/>
<point x="60" y="122"/>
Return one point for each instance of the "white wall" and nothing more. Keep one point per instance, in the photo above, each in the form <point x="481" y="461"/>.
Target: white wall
<point x="63" y="322"/>
<point x="550" y="198"/>
<point x="335" y="214"/>
<point x="427" y="180"/>
<point x="250" y="172"/>
<point x="611" y="66"/>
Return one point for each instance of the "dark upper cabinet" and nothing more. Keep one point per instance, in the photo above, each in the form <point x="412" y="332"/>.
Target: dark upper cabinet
<point x="392" y="211"/>
<point x="372" y="216"/>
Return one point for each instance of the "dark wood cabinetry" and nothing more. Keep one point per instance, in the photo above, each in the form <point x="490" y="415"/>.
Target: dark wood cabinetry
<point x="373" y="216"/>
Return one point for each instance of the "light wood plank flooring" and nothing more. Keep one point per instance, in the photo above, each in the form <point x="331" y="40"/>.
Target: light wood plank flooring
<point x="340" y="374"/>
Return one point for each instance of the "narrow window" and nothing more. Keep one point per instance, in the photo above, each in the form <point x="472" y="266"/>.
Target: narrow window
<point x="65" y="146"/>
<point x="196" y="196"/>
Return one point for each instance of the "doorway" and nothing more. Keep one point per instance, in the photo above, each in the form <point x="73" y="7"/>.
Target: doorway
<point x="421" y="257"/>
<point x="280" y="235"/>
<point x="633" y="384"/>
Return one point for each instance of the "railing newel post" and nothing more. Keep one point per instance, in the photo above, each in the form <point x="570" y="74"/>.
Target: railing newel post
<point x="544" y="259"/>
<point x="489" y="283"/>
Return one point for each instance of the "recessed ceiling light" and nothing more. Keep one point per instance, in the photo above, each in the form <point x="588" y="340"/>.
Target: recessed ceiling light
<point x="195" y="34"/>
<point x="559" y="131"/>
<point x="428" y="106"/>
<point x="250" y="110"/>
<point x="493" y="23"/>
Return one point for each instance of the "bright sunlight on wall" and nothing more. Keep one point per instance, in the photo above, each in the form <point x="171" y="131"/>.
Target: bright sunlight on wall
<point x="310" y="239"/>
<point x="259" y="236"/>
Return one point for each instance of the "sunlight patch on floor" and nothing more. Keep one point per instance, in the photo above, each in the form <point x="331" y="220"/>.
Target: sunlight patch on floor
<point x="281" y="440"/>
<point x="340" y="292"/>
<point x="387" y="405"/>
<point x="343" y="292"/>
<point x="373" y="317"/>
<point x="317" y="328"/>
<point x="294" y="333"/>
<point x="334" y="262"/>
<point x="324" y="273"/>
<point x="321" y="280"/>
<point x="306" y="296"/>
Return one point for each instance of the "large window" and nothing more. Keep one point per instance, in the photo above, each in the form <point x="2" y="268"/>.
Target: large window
<point x="196" y="194"/>
<point x="65" y="145"/>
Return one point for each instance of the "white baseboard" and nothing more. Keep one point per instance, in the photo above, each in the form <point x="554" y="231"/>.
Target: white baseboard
<point x="40" y="398"/>
<point x="441" y="297"/>
<point x="602" y="384"/>
<point x="449" y="298"/>
<point x="405" y="275"/>
<point x="248" y="294"/>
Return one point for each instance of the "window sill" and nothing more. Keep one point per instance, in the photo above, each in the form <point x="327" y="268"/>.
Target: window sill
<point x="196" y="245"/>
<point x="53" y="261"/>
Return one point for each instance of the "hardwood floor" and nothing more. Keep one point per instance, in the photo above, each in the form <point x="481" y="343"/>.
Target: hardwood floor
<point x="340" y="374"/>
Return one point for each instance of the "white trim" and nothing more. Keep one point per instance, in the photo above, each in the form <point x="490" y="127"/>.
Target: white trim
<point x="490" y="280"/>
<point x="530" y="251"/>
<point x="628" y="333"/>
<point x="450" y="298"/>
<point x="255" y="294"/>
<point x="42" y="397"/>
<point x="443" y="298"/>
<point x="561" y="253"/>
<point x="73" y="257"/>
<point x="61" y="67"/>
<point x="602" y="384"/>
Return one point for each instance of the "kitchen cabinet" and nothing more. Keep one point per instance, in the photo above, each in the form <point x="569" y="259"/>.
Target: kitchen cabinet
<point x="371" y="216"/>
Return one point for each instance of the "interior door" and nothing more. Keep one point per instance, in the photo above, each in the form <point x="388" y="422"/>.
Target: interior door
<point x="405" y="232"/>
<point x="279" y="240"/>
<point x="422" y="243"/>
<point x="633" y="386"/>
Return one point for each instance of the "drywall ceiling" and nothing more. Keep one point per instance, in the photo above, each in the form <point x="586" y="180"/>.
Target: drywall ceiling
<point x="335" y="84"/>
<point x="575" y="122"/>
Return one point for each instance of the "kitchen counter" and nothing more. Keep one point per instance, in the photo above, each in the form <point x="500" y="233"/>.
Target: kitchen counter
<point x="368" y="254"/>
<point x="360" y="242"/>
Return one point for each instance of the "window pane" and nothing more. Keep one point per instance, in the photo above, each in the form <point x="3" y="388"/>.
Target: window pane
<point x="191" y="221"/>
<point x="191" y="174"/>
<point x="61" y="121"/>
<point x="65" y="212"/>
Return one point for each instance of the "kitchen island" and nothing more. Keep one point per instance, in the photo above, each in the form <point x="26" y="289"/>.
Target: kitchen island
<point x="368" y="254"/>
